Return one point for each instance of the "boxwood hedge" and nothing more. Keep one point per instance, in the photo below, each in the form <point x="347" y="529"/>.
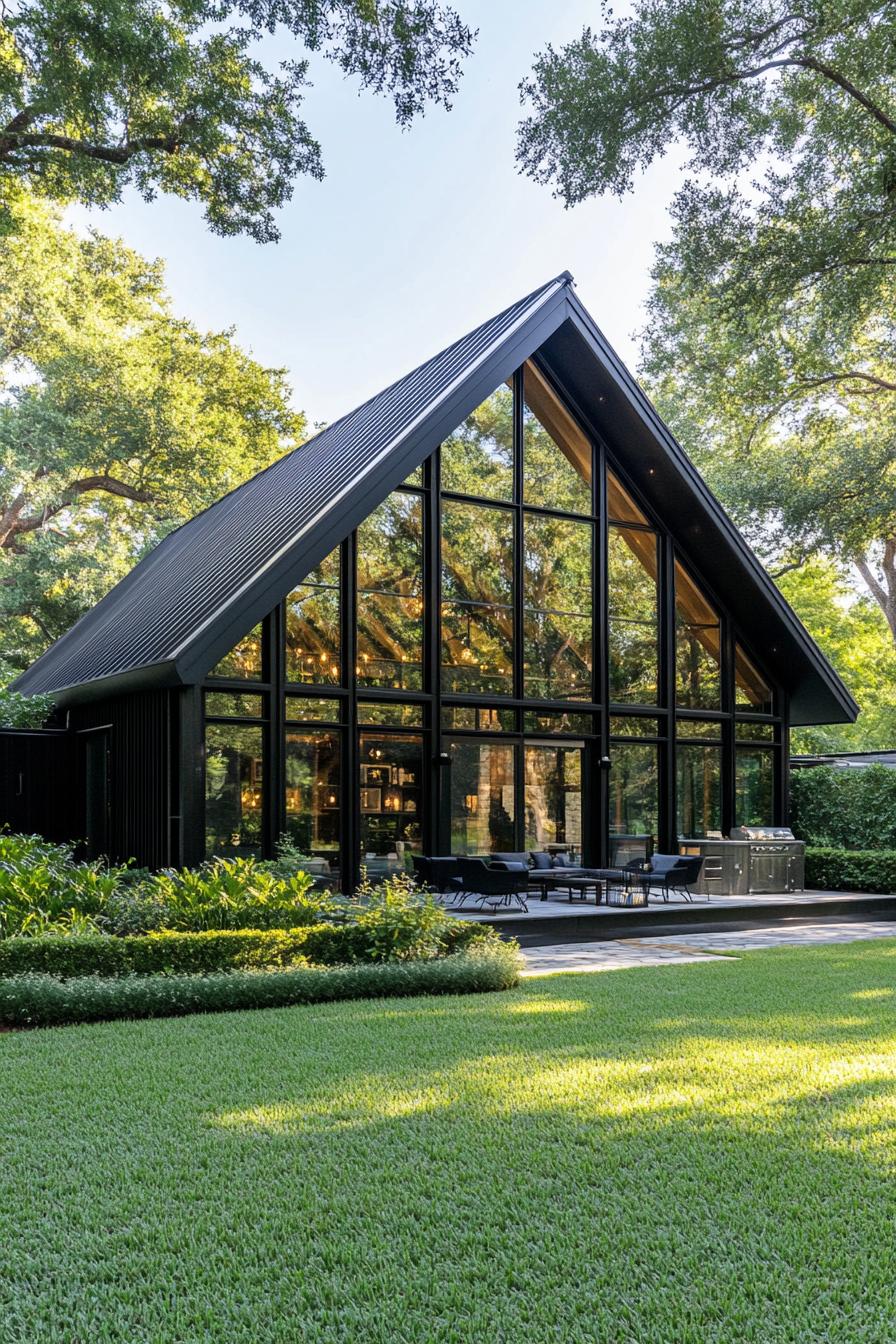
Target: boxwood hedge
<point x="45" y="1000"/>
<point x="872" y="870"/>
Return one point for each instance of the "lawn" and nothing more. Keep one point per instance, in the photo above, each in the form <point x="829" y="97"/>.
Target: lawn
<point x="693" y="1153"/>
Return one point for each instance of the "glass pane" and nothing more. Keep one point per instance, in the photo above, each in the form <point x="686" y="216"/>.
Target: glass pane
<point x="557" y="593"/>
<point x="403" y="716"/>
<point x="535" y="721"/>
<point x="478" y="457"/>
<point x="556" y="454"/>
<point x="244" y="660"/>
<point x="754" y="788"/>
<point x="630" y="726"/>
<point x="634" y="801"/>
<point x="391" y="780"/>
<point x="477" y="599"/>
<point x="751" y="690"/>
<point x="415" y="478"/>
<point x="747" y="731"/>
<point x="697" y="646"/>
<point x="554" y="798"/>
<point x="698" y="728"/>
<point x="482" y="797"/>
<point x="390" y="595"/>
<point x="620" y="505"/>
<point x="223" y="704"/>
<point x="479" y="717"/>
<point x="233" y="789"/>
<point x="699" y="791"/>
<point x="303" y="708"/>
<point x="312" y="626"/>
<point x="634" y="617"/>
<point x="312" y="800"/>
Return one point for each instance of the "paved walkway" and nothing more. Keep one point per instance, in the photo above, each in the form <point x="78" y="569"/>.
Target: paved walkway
<point x="677" y="950"/>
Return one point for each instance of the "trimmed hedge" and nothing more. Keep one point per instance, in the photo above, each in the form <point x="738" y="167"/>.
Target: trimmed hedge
<point x="169" y="953"/>
<point x="845" y="809"/>
<point x="872" y="870"/>
<point x="44" y="1000"/>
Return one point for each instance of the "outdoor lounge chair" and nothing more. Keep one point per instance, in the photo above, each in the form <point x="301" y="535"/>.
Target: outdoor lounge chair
<point x="438" y="873"/>
<point x="495" y="885"/>
<point x="672" y="873"/>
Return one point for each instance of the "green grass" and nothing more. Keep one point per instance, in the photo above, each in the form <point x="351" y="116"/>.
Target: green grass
<point x="683" y="1155"/>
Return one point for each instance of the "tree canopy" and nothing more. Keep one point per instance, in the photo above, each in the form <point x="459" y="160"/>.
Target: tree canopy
<point x="176" y="97"/>
<point x="770" y="343"/>
<point x="118" y="421"/>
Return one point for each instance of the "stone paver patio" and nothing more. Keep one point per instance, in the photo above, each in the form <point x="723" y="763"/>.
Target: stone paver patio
<point x="678" y="949"/>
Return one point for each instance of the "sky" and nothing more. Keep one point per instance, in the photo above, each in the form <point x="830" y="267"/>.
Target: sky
<point x="414" y="236"/>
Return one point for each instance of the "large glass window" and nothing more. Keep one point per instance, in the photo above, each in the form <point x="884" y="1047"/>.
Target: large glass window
<point x="312" y="626"/>
<point x="557" y="596"/>
<point x="313" y="797"/>
<point x="478" y="457"/>
<point x="553" y="798"/>
<point x="556" y="454"/>
<point x="244" y="661"/>
<point x="620" y="505"/>
<point x="754" y="787"/>
<point x="698" y="790"/>
<point x="390" y="594"/>
<point x="751" y="690"/>
<point x="634" y="617"/>
<point x="482" y="797"/>
<point x="391" y="784"/>
<point x="697" y="646"/>
<point x="634" y="801"/>
<point x="234" y="779"/>
<point x="477" y="598"/>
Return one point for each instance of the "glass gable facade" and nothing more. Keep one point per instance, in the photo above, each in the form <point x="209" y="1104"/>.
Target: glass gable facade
<point x="510" y="652"/>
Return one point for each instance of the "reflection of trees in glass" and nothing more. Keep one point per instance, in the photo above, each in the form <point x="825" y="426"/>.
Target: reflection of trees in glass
<point x="312" y="794"/>
<point x="558" y="595"/>
<point x="751" y="690"/>
<point x="233" y="788"/>
<point x="698" y="775"/>
<point x="244" y="660"/>
<point x="477" y="598"/>
<point x="390" y="594"/>
<point x="478" y="457"/>
<point x="553" y="809"/>
<point x="697" y="646"/>
<point x="754" y="787"/>
<point x="634" y="791"/>
<point x="634" y="622"/>
<point x="556" y="454"/>
<point x="312" y="625"/>
<point x="482" y="797"/>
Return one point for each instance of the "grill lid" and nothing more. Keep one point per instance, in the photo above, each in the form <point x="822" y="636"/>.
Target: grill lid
<point x="762" y="833"/>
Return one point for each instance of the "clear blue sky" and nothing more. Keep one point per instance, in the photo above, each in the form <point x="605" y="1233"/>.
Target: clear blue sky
<point x="414" y="236"/>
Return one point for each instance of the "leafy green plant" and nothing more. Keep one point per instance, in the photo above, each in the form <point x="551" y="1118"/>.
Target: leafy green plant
<point x="829" y="869"/>
<point x="235" y="894"/>
<point x="845" y="809"/>
<point x="395" y="920"/>
<point x="44" y="1000"/>
<point x="24" y="711"/>
<point x="42" y="888"/>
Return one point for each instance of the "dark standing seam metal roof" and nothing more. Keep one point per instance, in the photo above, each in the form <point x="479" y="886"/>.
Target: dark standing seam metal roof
<point x="188" y="602"/>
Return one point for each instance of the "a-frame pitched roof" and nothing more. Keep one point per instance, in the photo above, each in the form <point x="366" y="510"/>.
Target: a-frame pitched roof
<point x="188" y="602"/>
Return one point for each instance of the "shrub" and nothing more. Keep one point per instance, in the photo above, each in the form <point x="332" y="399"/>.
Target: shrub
<point x="845" y="809"/>
<point x="42" y="888"/>
<point x="234" y="894"/>
<point x="43" y="1000"/>
<point x="170" y="953"/>
<point x="872" y="870"/>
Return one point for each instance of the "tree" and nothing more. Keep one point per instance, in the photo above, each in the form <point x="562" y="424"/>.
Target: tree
<point x="118" y="421"/>
<point x="96" y="96"/>
<point x="770" y="344"/>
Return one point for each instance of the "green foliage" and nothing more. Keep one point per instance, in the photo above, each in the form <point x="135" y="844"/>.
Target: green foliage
<point x="24" y="711"/>
<point x="845" y="809"/>
<point x="42" y="888"/>
<point x="872" y="870"/>
<point x="396" y="921"/>
<point x="119" y="420"/>
<point x="43" y="1000"/>
<point x="235" y="894"/>
<point x="169" y="953"/>
<point x="770" y="345"/>
<point x="176" y="98"/>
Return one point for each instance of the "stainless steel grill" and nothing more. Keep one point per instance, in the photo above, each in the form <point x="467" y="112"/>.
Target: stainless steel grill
<point x="755" y="859"/>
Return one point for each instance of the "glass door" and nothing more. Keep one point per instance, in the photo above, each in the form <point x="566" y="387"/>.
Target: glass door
<point x="391" y="797"/>
<point x="552" y="775"/>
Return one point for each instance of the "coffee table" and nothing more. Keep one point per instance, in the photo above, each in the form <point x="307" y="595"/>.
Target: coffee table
<point x="576" y="886"/>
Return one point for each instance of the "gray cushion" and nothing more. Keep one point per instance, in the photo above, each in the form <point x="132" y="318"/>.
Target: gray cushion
<point x="540" y="859"/>
<point x="563" y="861"/>
<point x="511" y="858"/>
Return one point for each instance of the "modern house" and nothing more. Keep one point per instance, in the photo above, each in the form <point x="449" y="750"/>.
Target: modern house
<point x="493" y="608"/>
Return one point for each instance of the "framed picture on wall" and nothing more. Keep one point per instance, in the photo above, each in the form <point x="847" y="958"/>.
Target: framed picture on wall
<point x="376" y="775"/>
<point x="371" y="800"/>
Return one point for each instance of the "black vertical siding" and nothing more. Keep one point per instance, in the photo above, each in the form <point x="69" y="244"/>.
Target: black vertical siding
<point x="140" y="773"/>
<point x="39" y="790"/>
